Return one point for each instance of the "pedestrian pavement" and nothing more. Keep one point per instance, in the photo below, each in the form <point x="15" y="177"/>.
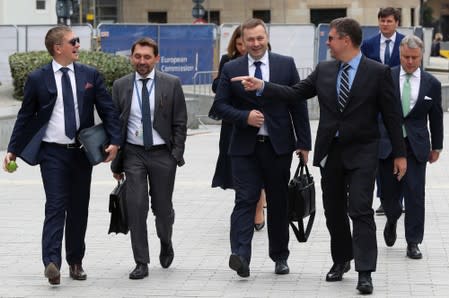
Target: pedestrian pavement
<point x="201" y="242"/>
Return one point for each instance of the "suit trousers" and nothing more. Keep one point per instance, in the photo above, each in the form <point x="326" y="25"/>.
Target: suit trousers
<point x="66" y="174"/>
<point x="263" y="169"/>
<point x="349" y="191"/>
<point x="411" y="188"/>
<point x="149" y="172"/>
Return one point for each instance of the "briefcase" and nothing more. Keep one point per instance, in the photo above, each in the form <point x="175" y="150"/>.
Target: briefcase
<point x="94" y="140"/>
<point x="301" y="201"/>
<point x="117" y="208"/>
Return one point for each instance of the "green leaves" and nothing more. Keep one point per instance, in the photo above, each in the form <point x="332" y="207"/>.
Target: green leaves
<point x="110" y="66"/>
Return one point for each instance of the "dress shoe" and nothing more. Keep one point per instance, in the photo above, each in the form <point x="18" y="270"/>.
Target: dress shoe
<point x="365" y="284"/>
<point x="139" y="272"/>
<point x="281" y="267"/>
<point x="413" y="251"/>
<point x="167" y="254"/>
<point x="337" y="271"/>
<point x="239" y="264"/>
<point x="52" y="273"/>
<point x="77" y="272"/>
<point x="390" y="233"/>
<point x="380" y="210"/>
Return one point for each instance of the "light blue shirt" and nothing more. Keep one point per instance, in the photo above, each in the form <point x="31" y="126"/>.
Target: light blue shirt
<point x="354" y="63"/>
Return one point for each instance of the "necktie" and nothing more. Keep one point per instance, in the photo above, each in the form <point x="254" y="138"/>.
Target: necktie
<point x="146" y="116"/>
<point x="343" y="93"/>
<point x="69" y="104"/>
<point x="258" y="72"/>
<point x="406" y="94"/>
<point x="387" y="54"/>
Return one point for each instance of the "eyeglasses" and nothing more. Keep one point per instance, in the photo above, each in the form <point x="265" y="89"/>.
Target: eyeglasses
<point x="331" y="38"/>
<point x="74" y="41"/>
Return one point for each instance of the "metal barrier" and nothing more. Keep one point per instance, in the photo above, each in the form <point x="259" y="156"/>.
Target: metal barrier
<point x="202" y="82"/>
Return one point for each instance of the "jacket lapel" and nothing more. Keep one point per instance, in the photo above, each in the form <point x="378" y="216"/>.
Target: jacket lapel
<point x="80" y="78"/>
<point x="50" y="81"/>
<point x="423" y="85"/>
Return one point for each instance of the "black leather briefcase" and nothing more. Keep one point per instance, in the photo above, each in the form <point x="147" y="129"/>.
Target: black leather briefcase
<point x="94" y="140"/>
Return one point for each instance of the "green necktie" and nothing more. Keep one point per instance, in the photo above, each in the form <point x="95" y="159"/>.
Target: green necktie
<point x="406" y="93"/>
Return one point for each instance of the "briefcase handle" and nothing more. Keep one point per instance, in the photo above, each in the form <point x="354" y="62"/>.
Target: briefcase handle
<point x="301" y="167"/>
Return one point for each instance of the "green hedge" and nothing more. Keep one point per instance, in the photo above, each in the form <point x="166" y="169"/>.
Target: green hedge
<point x="110" y="66"/>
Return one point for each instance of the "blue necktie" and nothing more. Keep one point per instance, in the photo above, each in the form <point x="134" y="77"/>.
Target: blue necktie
<point x="69" y="104"/>
<point x="343" y="93"/>
<point x="146" y="116"/>
<point x="258" y="72"/>
<point x="387" y="55"/>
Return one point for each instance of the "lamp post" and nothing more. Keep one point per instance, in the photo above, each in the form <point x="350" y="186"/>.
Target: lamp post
<point x="64" y="10"/>
<point x="198" y="11"/>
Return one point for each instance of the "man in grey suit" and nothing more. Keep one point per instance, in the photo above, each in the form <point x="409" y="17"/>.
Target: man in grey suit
<point x="153" y="111"/>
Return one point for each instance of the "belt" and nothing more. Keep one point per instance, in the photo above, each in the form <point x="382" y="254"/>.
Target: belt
<point x="262" y="139"/>
<point x="153" y="148"/>
<point x="76" y="145"/>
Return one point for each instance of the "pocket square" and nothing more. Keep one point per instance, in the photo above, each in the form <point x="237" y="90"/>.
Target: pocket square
<point x="88" y="85"/>
<point x="427" y="98"/>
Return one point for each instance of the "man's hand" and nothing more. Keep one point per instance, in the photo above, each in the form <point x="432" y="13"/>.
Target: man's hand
<point x="112" y="152"/>
<point x="249" y="83"/>
<point x="255" y="118"/>
<point x="8" y="157"/>
<point x="433" y="156"/>
<point x="118" y="176"/>
<point x="304" y="153"/>
<point x="399" y="167"/>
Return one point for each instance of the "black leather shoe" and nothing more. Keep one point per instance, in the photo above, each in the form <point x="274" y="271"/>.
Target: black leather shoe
<point x="77" y="272"/>
<point x="337" y="271"/>
<point x="365" y="284"/>
<point x="52" y="273"/>
<point x="413" y="251"/>
<point x="167" y="254"/>
<point x="139" y="272"/>
<point x="390" y="232"/>
<point x="380" y="210"/>
<point x="260" y="226"/>
<point x="239" y="264"/>
<point x="281" y="267"/>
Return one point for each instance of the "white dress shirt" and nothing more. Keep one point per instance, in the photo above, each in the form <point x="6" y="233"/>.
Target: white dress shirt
<point x="415" y="80"/>
<point x="383" y="45"/>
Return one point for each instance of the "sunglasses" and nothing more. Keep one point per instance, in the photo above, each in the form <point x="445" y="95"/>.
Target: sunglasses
<point x="74" y="41"/>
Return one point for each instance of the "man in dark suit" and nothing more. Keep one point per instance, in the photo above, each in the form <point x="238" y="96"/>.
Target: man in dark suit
<point x="384" y="48"/>
<point x="352" y="91"/>
<point x="59" y="101"/>
<point x="420" y="94"/>
<point x="262" y="143"/>
<point x="153" y="112"/>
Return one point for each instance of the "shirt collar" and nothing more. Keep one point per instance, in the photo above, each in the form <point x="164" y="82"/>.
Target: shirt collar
<point x="56" y="66"/>
<point x="264" y="59"/>
<point x="150" y="75"/>
<point x="383" y="38"/>
<point x="415" y="74"/>
<point x="354" y="62"/>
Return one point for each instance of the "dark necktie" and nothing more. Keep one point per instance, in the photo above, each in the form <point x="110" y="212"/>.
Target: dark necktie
<point x="146" y="116"/>
<point x="258" y="72"/>
<point x="343" y="93"/>
<point x="69" y="104"/>
<point x="387" y="55"/>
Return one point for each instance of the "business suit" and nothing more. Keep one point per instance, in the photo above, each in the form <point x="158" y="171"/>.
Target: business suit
<point x="346" y="150"/>
<point x="255" y="163"/>
<point x="66" y="173"/>
<point x="419" y="142"/>
<point x="158" y="165"/>
<point x="371" y="49"/>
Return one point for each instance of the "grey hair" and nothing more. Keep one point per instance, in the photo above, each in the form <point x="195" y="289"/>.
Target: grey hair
<point x="413" y="42"/>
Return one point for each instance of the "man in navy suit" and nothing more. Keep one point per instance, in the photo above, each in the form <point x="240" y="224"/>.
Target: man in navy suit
<point x="59" y="101"/>
<point x="384" y="48"/>
<point x="420" y="94"/>
<point x="262" y="143"/>
<point x="352" y="90"/>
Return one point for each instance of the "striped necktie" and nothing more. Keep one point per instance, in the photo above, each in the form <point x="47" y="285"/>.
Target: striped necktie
<point x="343" y="93"/>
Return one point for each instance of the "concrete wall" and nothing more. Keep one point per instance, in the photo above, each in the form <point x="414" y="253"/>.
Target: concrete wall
<point x="21" y="12"/>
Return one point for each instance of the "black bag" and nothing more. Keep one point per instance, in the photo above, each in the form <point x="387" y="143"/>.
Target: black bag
<point x="117" y="208"/>
<point x="301" y="201"/>
<point x="94" y="140"/>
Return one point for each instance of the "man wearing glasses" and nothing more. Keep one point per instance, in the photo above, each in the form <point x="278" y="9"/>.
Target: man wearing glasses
<point x="58" y="102"/>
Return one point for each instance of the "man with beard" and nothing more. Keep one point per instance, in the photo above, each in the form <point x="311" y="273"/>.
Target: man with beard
<point x="154" y="115"/>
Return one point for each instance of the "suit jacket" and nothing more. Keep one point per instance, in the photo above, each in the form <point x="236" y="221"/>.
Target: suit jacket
<point x="233" y="104"/>
<point x="371" y="49"/>
<point x="371" y="92"/>
<point x="40" y="95"/>
<point x="428" y="106"/>
<point x="170" y="115"/>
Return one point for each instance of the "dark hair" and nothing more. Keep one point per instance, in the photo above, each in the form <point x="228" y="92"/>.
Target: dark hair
<point x="389" y="11"/>
<point x="55" y="36"/>
<point x="146" y="42"/>
<point x="253" y="23"/>
<point x="348" y="27"/>
<point x="232" y="46"/>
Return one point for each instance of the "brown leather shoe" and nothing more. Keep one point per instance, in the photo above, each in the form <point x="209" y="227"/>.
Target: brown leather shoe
<point x="77" y="272"/>
<point x="52" y="273"/>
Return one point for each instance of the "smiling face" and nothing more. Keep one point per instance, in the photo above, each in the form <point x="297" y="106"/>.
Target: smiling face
<point x="66" y="51"/>
<point x="143" y="59"/>
<point x="255" y="41"/>
<point x="337" y="44"/>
